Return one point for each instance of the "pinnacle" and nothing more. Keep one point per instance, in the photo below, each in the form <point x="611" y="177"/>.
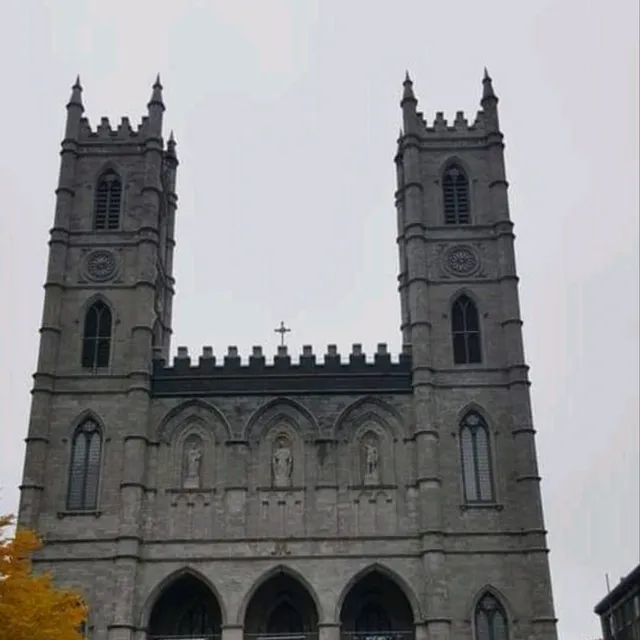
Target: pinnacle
<point x="487" y="87"/>
<point x="156" y="93"/>
<point x="76" y="94"/>
<point x="408" y="94"/>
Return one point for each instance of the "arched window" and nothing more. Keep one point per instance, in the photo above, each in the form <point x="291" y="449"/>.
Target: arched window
<point x="107" y="203"/>
<point x="455" y="195"/>
<point x="84" y="471"/>
<point x="490" y="619"/>
<point x="475" y="450"/>
<point x="465" y="331"/>
<point x="96" y="340"/>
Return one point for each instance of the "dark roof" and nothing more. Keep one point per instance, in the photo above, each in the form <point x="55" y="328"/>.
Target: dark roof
<point x="625" y="585"/>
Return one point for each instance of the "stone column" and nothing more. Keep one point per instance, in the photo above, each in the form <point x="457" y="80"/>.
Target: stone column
<point x="329" y="631"/>
<point x="232" y="632"/>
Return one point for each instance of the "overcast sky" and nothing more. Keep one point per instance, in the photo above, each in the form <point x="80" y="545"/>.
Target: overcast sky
<point x="286" y="116"/>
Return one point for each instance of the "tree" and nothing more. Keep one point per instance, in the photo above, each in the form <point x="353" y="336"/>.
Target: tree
<point x="31" y="607"/>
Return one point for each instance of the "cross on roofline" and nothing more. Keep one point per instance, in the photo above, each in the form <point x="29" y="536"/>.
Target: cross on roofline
<point x="282" y="330"/>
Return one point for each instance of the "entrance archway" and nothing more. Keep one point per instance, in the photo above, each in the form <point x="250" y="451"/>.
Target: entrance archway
<point x="186" y="609"/>
<point x="281" y="609"/>
<point x="376" y="608"/>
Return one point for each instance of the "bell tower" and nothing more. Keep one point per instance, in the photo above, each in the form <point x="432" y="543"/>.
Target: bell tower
<point x="461" y="321"/>
<point x="109" y="284"/>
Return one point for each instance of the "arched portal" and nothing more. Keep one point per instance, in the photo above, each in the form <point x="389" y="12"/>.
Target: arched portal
<point x="375" y="608"/>
<point x="187" y="609"/>
<point x="281" y="608"/>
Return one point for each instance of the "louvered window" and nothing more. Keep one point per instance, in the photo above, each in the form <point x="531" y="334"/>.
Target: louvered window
<point x="465" y="331"/>
<point x="107" y="203"/>
<point x="96" y="341"/>
<point x="475" y="450"/>
<point x="84" y="471"/>
<point x="455" y="194"/>
<point x="490" y="620"/>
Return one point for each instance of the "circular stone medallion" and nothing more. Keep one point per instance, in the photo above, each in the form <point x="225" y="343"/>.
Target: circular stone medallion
<point x="101" y="265"/>
<point x="461" y="260"/>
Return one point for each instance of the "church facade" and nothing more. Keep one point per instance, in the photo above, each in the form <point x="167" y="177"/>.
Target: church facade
<point x="322" y="497"/>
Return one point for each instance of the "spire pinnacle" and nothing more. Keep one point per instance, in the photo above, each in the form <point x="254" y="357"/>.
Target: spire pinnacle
<point x="76" y="94"/>
<point x="171" y="144"/>
<point x="487" y="86"/>
<point x="408" y="94"/>
<point x="156" y="93"/>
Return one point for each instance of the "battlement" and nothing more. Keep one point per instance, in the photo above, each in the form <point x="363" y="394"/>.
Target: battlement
<point x="255" y="376"/>
<point x="484" y="124"/>
<point x="79" y="129"/>
<point x="124" y="132"/>
<point x="440" y="127"/>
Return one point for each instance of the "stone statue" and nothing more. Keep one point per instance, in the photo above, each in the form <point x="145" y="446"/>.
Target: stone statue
<point x="282" y="463"/>
<point x="371" y="463"/>
<point x="193" y="460"/>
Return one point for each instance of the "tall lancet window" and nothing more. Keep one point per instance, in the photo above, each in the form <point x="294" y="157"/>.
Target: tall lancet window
<point x="475" y="450"/>
<point x="84" y="471"/>
<point x="455" y="195"/>
<point x="490" y="619"/>
<point x="465" y="331"/>
<point x="96" y="339"/>
<point x="107" y="203"/>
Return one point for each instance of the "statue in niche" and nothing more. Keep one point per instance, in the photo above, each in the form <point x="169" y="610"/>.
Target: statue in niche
<point x="282" y="462"/>
<point x="192" y="464"/>
<point x="371" y="457"/>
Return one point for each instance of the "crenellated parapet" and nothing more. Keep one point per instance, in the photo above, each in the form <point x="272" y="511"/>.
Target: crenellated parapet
<point x="473" y="130"/>
<point x="105" y="131"/>
<point x="232" y="375"/>
<point x="79" y="128"/>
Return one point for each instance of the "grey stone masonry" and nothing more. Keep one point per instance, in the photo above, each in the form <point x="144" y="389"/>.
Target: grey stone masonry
<point x="353" y="494"/>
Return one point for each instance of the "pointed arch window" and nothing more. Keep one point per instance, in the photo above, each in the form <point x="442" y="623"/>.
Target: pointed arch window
<point x="84" y="471"/>
<point x="107" y="203"/>
<point x="490" y="619"/>
<point x="465" y="331"/>
<point x="96" y="340"/>
<point x="455" y="195"/>
<point x="475" y="449"/>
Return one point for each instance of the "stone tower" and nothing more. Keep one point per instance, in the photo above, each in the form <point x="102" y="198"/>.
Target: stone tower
<point x="317" y="499"/>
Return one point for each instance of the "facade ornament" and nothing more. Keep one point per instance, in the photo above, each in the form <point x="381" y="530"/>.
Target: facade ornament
<point x="282" y="462"/>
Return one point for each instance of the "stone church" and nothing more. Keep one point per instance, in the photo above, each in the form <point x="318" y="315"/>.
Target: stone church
<point x="305" y="496"/>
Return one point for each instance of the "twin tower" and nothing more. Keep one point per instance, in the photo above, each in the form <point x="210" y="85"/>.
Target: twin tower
<point x="326" y="497"/>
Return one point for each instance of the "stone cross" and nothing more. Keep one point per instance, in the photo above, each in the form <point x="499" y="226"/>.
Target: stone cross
<point x="282" y="330"/>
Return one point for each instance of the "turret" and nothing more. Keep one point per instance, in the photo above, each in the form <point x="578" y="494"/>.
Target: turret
<point x="409" y="104"/>
<point x="489" y="104"/>
<point x="155" y="108"/>
<point x="75" y="109"/>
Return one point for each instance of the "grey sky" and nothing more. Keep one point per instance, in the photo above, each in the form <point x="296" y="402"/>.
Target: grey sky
<point x="286" y="116"/>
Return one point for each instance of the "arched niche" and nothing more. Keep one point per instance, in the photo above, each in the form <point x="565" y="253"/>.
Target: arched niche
<point x="372" y="454"/>
<point x="193" y="455"/>
<point x="277" y="434"/>
<point x="370" y="433"/>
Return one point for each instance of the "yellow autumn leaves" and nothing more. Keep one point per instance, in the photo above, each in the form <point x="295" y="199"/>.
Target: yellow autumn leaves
<point x="31" y="607"/>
